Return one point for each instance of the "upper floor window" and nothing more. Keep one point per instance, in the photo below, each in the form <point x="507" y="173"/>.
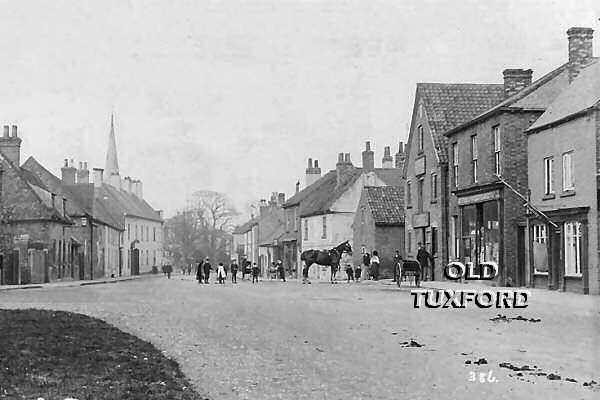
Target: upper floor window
<point x="497" y="147"/>
<point x="455" y="163"/>
<point x="420" y="184"/>
<point x="324" y="227"/>
<point x="421" y="111"/>
<point x="128" y="231"/>
<point x="548" y="175"/>
<point x="420" y="137"/>
<point x="295" y="219"/>
<point x="305" y="229"/>
<point x="288" y="217"/>
<point x="154" y="233"/>
<point x="147" y="233"/>
<point x="568" y="183"/>
<point x="474" y="157"/>
<point x="434" y="186"/>
<point x="408" y="195"/>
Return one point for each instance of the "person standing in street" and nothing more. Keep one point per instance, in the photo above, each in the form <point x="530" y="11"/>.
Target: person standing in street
<point x="375" y="266"/>
<point x="234" y="271"/>
<point x="366" y="262"/>
<point x="254" y="273"/>
<point x="221" y="274"/>
<point x="244" y="266"/>
<point x="346" y="264"/>
<point x="281" y="270"/>
<point x="397" y="261"/>
<point x="168" y="270"/>
<point x="424" y="258"/>
<point x="199" y="275"/>
<point x="207" y="268"/>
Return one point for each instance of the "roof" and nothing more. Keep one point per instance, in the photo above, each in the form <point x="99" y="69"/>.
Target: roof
<point x="536" y="96"/>
<point x="125" y="203"/>
<point x="245" y="227"/>
<point x="582" y="94"/>
<point x="448" y="105"/>
<point x="386" y="203"/>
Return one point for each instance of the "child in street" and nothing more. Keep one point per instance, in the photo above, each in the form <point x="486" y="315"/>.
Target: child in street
<point x="254" y="273"/>
<point x="357" y="273"/>
<point x="221" y="275"/>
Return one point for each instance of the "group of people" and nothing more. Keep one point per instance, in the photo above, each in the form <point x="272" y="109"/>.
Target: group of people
<point x="371" y="264"/>
<point x="204" y="268"/>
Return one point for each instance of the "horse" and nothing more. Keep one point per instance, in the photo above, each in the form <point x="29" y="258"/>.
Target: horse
<point x="324" y="257"/>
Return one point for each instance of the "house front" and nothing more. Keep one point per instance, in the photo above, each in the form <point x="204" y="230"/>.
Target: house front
<point x="563" y="162"/>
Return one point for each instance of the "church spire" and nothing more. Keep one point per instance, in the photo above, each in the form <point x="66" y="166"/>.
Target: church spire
<point x="112" y="162"/>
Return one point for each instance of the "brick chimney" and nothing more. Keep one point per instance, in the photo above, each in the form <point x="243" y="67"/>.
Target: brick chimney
<point x="280" y="199"/>
<point x="580" y="49"/>
<point x="136" y="188"/>
<point x="10" y="144"/>
<point x="399" y="158"/>
<point x="98" y="176"/>
<point x="515" y="80"/>
<point x="344" y="168"/>
<point x="262" y="207"/>
<point x="127" y="184"/>
<point x="387" y="161"/>
<point x="368" y="158"/>
<point x="83" y="174"/>
<point x="273" y="200"/>
<point x="298" y="187"/>
<point x="313" y="173"/>
<point x="68" y="173"/>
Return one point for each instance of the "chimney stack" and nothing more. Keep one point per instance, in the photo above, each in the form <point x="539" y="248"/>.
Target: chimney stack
<point x="515" y="80"/>
<point x="298" y="187"/>
<point x="262" y="208"/>
<point x="98" y="176"/>
<point x="273" y="200"/>
<point x="83" y="174"/>
<point x="580" y="49"/>
<point x="280" y="199"/>
<point x="344" y="168"/>
<point x="11" y="145"/>
<point x="137" y="188"/>
<point x="368" y="158"/>
<point x="313" y="172"/>
<point x="127" y="184"/>
<point x="68" y="173"/>
<point x="399" y="158"/>
<point x="387" y="161"/>
<point x="115" y="180"/>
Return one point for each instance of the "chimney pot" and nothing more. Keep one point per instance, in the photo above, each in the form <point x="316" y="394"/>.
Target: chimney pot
<point x="368" y="158"/>
<point x="85" y="165"/>
<point x="368" y="146"/>
<point x="80" y="165"/>
<point x="386" y="151"/>
<point x="310" y="163"/>
<point x="6" y="131"/>
<point x="14" y="131"/>
<point x="347" y="158"/>
<point x="66" y="163"/>
<point x="316" y="163"/>
<point x="297" y="186"/>
<point x="72" y="163"/>
<point x="340" y="157"/>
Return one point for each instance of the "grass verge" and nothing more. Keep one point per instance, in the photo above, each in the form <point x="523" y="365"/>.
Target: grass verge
<point x="58" y="355"/>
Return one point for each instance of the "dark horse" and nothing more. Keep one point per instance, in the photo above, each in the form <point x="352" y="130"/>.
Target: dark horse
<point x="324" y="257"/>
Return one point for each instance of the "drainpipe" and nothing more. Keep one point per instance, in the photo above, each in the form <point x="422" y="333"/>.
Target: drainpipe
<point x="91" y="251"/>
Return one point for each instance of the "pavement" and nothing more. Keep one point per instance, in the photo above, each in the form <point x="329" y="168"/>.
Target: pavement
<point x="275" y="340"/>
<point x="74" y="283"/>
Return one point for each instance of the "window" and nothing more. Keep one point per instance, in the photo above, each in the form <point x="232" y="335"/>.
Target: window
<point x="324" y="227"/>
<point x="153" y="257"/>
<point x="568" y="183"/>
<point x="154" y="233"/>
<point x="548" y="175"/>
<point x="420" y="195"/>
<point x="128" y="231"/>
<point x="421" y="111"/>
<point x="141" y="233"/>
<point x="496" y="131"/>
<point x="408" y="195"/>
<point x="573" y="251"/>
<point x="362" y="214"/>
<point x="420" y="137"/>
<point x="305" y="229"/>
<point x="474" y="157"/>
<point x="288" y="218"/>
<point x="434" y="186"/>
<point x="295" y="219"/>
<point x="136" y="231"/>
<point x="455" y="163"/>
<point x="147" y="233"/>
<point x="540" y="249"/>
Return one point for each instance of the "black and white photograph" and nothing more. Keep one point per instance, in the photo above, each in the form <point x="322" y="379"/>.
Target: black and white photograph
<point x="299" y="199"/>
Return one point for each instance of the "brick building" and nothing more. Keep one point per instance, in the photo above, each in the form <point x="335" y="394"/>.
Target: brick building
<point x="438" y="107"/>
<point x="564" y="157"/>
<point x="487" y="159"/>
<point x="34" y="245"/>
<point x="379" y="225"/>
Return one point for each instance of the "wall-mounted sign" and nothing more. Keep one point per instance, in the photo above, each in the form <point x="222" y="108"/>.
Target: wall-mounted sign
<point x="420" y="166"/>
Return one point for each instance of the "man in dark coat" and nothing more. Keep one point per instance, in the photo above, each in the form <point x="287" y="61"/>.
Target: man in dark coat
<point x="234" y="270"/>
<point x="424" y="258"/>
<point x="281" y="270"/>
<point x="199" y="276"/>
<point x="207" y="268"/>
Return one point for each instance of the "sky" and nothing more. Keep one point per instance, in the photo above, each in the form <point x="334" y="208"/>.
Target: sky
<point x="234" y="96"/>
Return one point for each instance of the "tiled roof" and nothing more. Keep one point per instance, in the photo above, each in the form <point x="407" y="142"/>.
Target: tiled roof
<point x="128" y="203"/>
<point x="448" y="105"/>
<point x="245" y="227"/>
<point x="582" y="94"/>
<point x="386" y="203"/>
<point x="270" y="226"/>
<point x="536" y="96"/>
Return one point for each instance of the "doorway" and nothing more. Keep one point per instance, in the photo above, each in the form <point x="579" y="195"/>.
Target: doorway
<point x="135" y="262"/>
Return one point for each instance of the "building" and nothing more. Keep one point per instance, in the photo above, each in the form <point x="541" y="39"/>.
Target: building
<point x="488" y="172"/>
<point x="322" y="214"/>
<point x="379" y="224"/>
<point x="142" y="243"/>
<point x="438" y="107"/>
<point x="34" y="244"/>
<point x="95" y="237"/>
<point x="564" y="157"/>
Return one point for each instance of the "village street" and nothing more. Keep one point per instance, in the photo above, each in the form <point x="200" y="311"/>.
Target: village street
<point x="347" y="341"/>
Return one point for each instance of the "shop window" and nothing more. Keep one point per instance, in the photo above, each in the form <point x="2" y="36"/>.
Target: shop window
<point x="573" y="243"/>
<point x="540" y="249"/>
